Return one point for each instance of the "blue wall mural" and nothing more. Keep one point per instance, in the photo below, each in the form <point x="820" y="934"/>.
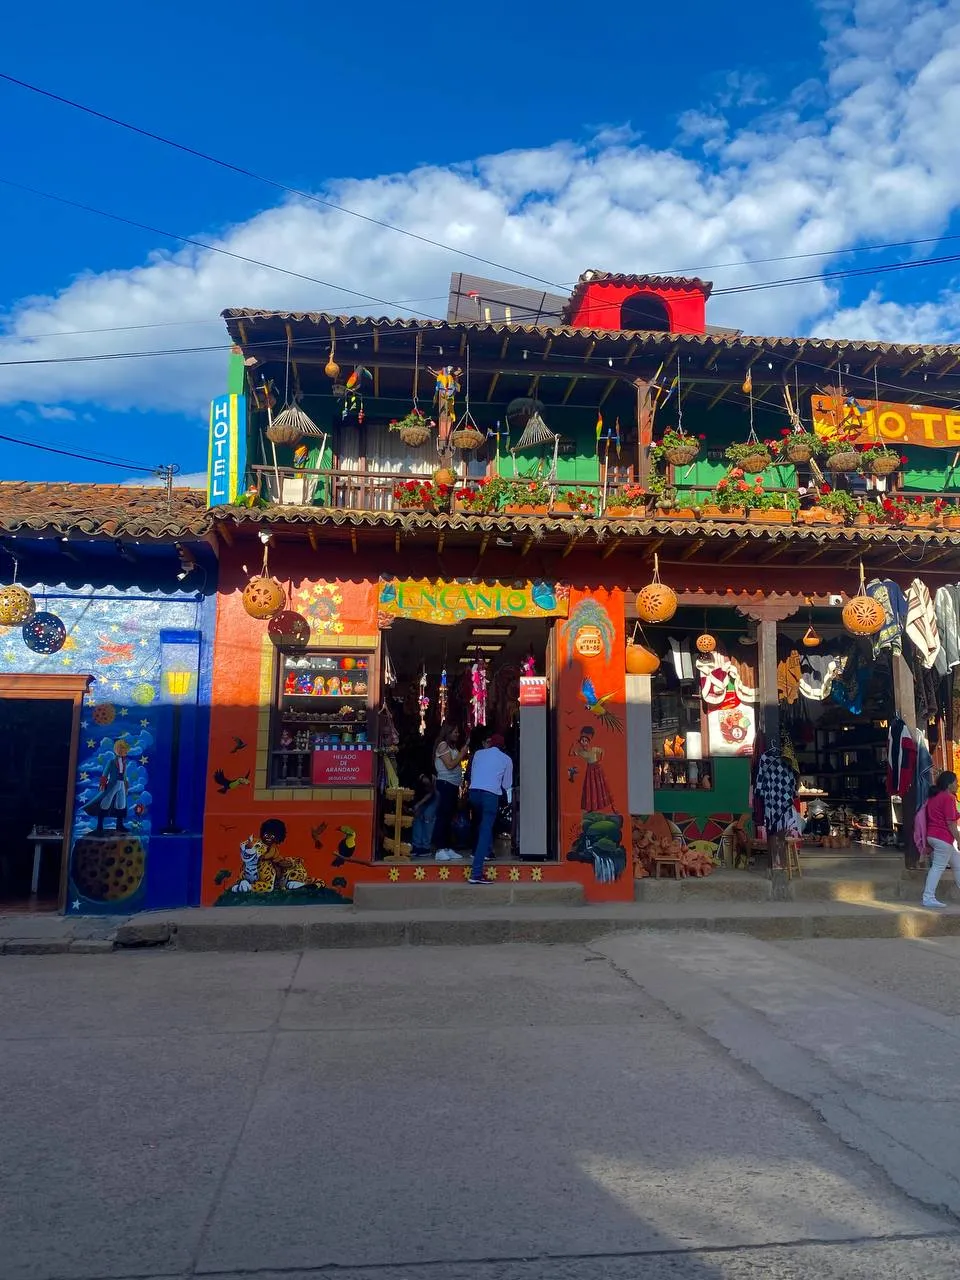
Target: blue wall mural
<point x="141" y="762"/>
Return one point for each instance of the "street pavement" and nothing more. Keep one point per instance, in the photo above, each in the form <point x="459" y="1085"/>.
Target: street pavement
<point x="473" y="1113"/>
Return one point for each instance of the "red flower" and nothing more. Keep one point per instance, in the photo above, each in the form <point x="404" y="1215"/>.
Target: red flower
<point x="701" y="437"/>
<point x="722" y="484"/>
<point x="785" y="432"/>
<point x="825" y="488"/>
<point x="918" y="502"/>
<point x="903" y="460"/>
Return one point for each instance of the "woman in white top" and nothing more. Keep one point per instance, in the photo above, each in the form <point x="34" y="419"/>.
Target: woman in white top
<point x="448" y="756"/>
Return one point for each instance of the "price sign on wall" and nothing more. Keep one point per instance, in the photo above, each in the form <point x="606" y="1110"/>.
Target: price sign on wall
<point x="533" y="691"/>
<point x="346" y="768"/>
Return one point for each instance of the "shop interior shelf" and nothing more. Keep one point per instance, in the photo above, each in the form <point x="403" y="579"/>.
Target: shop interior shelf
<point x="322" y="697"/>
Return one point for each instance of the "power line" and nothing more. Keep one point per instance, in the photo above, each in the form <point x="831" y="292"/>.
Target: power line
<point x="83" y="457"/>
<point x="437" y="244"/>
<point x="200" y="244"/>
<point x="258" y="177"/>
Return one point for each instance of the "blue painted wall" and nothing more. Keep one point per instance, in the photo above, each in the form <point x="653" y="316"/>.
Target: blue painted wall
<point x="114" y="634"/>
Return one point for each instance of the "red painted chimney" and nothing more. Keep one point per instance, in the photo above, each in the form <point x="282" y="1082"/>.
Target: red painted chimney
<point x="671" y="304"/>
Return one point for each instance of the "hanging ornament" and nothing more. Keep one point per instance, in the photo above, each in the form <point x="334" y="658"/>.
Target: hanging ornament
<point x="442" y="696"/>
<point x="264" y="596"/>
<point x="529" y="665"/>
<point x="289" y="627"/>
<point x="423" y="702"/>
<point x="656" y="602"/>
<point x="639" y="660"/>
<point x="810" y="639"/>
<point x="478" y="693"/>
<point x="863" y="616"/>
<point x="331" y="368"/>
<point x="706" y="643"/>
<point x="44" y="633"/>
<point x="17" y="605"/>
<point x="748" y="384"/>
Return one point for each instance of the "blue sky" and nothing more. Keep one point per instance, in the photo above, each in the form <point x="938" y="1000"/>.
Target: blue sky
<point x="654" y="138"/>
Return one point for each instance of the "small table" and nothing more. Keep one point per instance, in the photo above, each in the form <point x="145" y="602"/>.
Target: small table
<point x="41" y="836"/>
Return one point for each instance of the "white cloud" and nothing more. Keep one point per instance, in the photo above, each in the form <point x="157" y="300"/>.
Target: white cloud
<point x="887" y="321"/>
<point x="56" y="413"/>
<point x="870" y="165"/>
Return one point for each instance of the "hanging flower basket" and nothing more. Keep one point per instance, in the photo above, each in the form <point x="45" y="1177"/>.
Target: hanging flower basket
<point x="880" y="461"/>
<point x="283" y="433"/>
<point x="467" y="438"/>
<point x="414" y="429"/>
<point x="752" y="456"/>
<point x="797" y="451"/>
<point x="844" y="460"/>
<point x="681" y="455"/>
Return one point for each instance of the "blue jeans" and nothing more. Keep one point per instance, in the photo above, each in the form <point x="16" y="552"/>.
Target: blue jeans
<point x="485" y="805"/>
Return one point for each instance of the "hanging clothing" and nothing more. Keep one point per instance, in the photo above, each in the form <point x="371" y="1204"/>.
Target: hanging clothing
<point x="924" y="770"/>
<point x="901" y="758"/>
<point x="925" y="688"/>
<point x="888" y="594"/>
<point x="776" y="786"/>
<point x="789" y="675"/>
<point x="948" y="625"/>
<point x="682" y="658"/>
<point x="817" y="673"/>
<point x="849" y="686"/>
<point x="922" y="622"/>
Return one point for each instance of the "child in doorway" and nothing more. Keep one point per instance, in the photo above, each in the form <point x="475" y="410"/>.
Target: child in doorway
<point x="424" y="815"/>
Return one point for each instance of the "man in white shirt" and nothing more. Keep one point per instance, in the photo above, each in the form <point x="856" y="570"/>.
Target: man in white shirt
<point x="490" y="775"/>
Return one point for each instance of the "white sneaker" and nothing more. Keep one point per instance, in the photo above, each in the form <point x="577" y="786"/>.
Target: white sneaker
<point x="933" y="902"/>
<point x="447" y="855"/>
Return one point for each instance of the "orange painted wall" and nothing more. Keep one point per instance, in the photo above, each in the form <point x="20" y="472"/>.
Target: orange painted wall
<point x="592" y="744"/>
<point x="341" y="606"/>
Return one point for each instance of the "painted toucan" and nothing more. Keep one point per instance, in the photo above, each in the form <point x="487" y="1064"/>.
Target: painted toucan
<point x="225" y="784"/>
<point x="347" y="846"/>
<point x="597" y="706"/>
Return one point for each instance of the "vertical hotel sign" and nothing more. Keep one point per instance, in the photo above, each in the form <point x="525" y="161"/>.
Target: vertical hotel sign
<point x="226" y="462"/>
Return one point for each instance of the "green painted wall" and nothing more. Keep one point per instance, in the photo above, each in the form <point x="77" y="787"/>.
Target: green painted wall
<point x="731" y="788"/>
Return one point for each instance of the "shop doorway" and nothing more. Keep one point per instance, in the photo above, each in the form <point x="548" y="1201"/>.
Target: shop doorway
<point x="39" y="738"/>
<point x="415" y="656"/>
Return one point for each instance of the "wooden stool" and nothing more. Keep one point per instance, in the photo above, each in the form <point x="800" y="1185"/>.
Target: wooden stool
<point x="674" y="863"/>
<point x="793" y="858"/>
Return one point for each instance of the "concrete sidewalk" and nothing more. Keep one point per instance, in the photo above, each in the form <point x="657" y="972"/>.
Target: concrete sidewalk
<point x="308" y="928"/>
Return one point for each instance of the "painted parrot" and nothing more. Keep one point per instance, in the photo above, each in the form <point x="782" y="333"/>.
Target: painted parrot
<point x="597" y="706"/>
<point x="225" y="784"/>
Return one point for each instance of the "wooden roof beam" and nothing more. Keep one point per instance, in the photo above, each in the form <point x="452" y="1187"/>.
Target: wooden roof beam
<point x="720" y="394"/>
<point x="730" y="552"/>
<point x="484" y="542"/>
<point x="712" y="360"/>
<point x="312" y="535"/>
<point x="527" y="544"/>
<point x="952" y="365"/>
<point x="608" y="551"/>
<point x="496" y="377"/>
<point x="913" y="365"/>
<point x="569" y="547"/>
<point x="441" y="539"/>
<point x="692" y="550"/>
<point x="396" y="542"/>
<point x="607" y="389"/>
<point x="376" y="369"/>
<point x="353" y="540"/>
<point x="869" y="368"/>
<point x="569" y="391"/>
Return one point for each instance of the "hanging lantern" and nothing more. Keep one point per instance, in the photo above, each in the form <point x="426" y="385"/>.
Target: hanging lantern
<point x="863" y="616"/>
<point x="331" y="368"/>
<point x="640" y="661"/>
<point x="288" y="627"/>
<point x="810" y="639"/>
<point x="44" y="633"/>
<point x="263" y="597"/>
<point x="445" y="475"/>
<point x="706" y="643"/>
<point x="656" y="602"/>
<point x="17" y="605"/>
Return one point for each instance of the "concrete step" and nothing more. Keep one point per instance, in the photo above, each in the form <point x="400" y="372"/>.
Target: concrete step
<point x="722" y="886"/>
<point x="436" y="896"/>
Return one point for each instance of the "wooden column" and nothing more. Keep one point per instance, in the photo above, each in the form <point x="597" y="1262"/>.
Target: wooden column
<point x="644" y="429"/>
<point x="905" y="703"/>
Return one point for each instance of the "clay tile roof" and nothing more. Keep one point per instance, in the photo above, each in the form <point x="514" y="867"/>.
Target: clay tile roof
<point x="110" y="510"/>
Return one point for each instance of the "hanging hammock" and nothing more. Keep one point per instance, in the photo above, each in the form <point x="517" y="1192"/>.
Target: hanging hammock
<point x="535" y="432"/>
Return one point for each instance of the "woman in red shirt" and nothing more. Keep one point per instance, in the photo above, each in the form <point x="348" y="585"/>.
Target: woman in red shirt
<point x="942" y="832"/>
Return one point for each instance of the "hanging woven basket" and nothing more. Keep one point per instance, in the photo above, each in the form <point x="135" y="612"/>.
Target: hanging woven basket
<point x="681" y="455"/>
<point x="414" y="436"/>
<point x="17" y="605"/>
<point x="882" y="464"/>
<point x="466" y="438"/>
<point x="755" y="462"/>
<point x="797" y="451"/>
<point x="656" y="602"/>
<point x="844" y="460"/>
<point x="283" y="433"/>
<point x="863" y="616"/>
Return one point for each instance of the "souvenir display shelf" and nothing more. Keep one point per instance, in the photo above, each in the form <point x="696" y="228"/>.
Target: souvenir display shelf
<point x="323" y="717"/>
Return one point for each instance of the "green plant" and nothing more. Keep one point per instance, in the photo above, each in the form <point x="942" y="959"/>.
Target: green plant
<point x="872" y="453"/>
<point x="792" y="438"/>
<point x="481" y="496"/>
<point x="633" y="495"/>
<point x="737" y="453"/>
<point x="412" y="419"/>
<point x="837" y="500"/>
<point x="731" y="492"/>
<point x="583" y="501"/>
<point x="526" y="491"/>
<point x="421" y="494"/>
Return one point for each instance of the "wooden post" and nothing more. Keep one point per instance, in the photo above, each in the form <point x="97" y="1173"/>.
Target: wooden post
<point x="644" y="429"/>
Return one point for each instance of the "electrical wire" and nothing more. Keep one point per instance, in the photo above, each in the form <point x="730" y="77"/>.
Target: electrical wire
<point x="438" y="244"/>
<point x="82" y="457"/>
<point x="200" y="244"/>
